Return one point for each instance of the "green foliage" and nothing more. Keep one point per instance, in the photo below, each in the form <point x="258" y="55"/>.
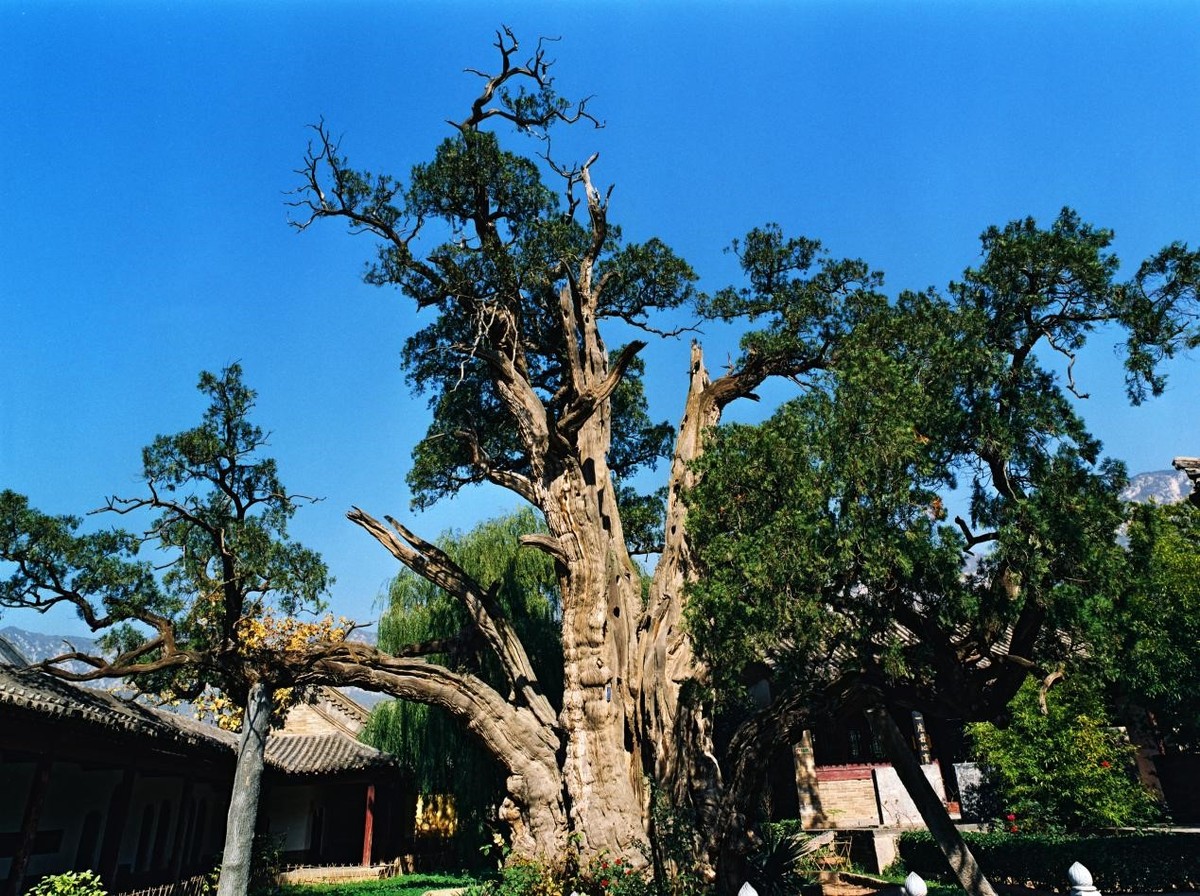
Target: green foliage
<point x="401" y="885"/>
<point x="673" y="839"/>
<point x="670" y="872"/>
<point x="1152" y="629"/>
<point x="835" y="502"/>
<point x="1065" y="770"/>
<point x="823" y="533"/>
<point x="604" y="875"/>
<point x="102" y="565"/>
<point x="69" y="883"/>
<point x="1131" y="863"/>
<point x="784" y="861"/>
<point x="436" y="750"/>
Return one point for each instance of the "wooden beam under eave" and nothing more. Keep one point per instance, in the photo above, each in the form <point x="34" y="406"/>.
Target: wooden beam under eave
<point x="115" y="820"/>
<point x="34" y="802"/>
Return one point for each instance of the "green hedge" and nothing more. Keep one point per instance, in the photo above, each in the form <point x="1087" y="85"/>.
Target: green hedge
<point x="403" y="885"/>
<point x="1129" y="863"/>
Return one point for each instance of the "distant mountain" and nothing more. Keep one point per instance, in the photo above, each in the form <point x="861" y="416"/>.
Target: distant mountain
<point x="1159" y="487"/>
<point x="367" y="699"/>
<point x="36" y="647"/>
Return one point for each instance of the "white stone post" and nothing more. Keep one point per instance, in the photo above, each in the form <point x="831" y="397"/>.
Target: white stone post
<point x="914" y="885"/>
<point x="1081" y="881"/>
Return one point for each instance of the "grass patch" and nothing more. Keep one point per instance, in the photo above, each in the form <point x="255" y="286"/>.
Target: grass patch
<point x="936" y="888"/>
<point x="402" y="885"/>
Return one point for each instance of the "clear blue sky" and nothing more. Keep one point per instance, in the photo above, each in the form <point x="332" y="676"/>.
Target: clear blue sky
<point x="148" y="146"/>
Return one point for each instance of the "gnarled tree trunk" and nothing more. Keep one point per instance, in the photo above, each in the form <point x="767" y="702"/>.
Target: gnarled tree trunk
<point x="243" y="801"/>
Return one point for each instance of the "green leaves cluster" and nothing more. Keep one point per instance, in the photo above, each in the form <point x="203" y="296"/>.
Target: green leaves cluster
<point x="70" y="883"/>
<point x="825" y="533"/>
<point x="1063" y="770"/>
<point x="44" y="548"/>
<point x="1150" y="634"/>
<point x="170" y="601"/>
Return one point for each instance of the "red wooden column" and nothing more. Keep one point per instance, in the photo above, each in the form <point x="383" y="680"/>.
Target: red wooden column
<point x="369" y="825"/>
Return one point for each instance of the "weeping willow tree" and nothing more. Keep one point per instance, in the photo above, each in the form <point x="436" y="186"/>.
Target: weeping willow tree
<point x="442" y="757"/>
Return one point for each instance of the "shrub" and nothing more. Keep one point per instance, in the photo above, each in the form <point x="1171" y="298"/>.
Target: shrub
<point x="1129" y="863"/>
<point x="70" y="883"/>
<point x="1064" y="770"/>
<point x="603" y="876"/>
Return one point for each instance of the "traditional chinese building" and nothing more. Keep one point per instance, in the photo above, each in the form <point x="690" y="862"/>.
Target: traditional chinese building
<point x="89" y="780"/>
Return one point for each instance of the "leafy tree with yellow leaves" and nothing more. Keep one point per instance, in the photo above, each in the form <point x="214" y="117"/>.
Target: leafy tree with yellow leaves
<point x="214" y="614"/>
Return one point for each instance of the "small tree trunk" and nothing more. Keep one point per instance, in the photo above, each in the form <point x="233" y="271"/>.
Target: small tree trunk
<point x="243" y="802"/>
<point x="933" y="812"/>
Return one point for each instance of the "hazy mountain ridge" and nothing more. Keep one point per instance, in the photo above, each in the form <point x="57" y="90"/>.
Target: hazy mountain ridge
<point x="36" y="647"/>
<point x="1160" y="487"/>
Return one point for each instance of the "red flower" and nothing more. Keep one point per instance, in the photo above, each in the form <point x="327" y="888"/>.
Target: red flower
<point x="1011" y="817"/>
<point x="604" y="882"/>
<point x="1104" y="763"/>
<point x="1013" y="829"/>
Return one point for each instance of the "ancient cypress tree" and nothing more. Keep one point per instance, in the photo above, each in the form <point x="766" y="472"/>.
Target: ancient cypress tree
<point x="517" y="274"/>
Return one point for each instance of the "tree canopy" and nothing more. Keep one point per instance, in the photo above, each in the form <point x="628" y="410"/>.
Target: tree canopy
<point x="201" y="604"/>
<point x="824" y="532"/>
<point x="1147" y="638"/>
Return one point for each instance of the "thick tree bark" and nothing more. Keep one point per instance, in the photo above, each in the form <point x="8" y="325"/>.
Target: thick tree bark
<point x="243" y="802"/>
<point x="933" y="812"/>
<point x="601" y="769"/>
<point x="524" y="745"/>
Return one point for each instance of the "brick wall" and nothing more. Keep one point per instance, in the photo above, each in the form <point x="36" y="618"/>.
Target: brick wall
<point x="845" y="797"/>
<point x="851" y="796"/>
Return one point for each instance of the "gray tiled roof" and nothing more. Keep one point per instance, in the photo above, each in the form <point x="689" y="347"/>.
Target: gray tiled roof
<point x="324" y="754"/>
<point x="53" y="698"/>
